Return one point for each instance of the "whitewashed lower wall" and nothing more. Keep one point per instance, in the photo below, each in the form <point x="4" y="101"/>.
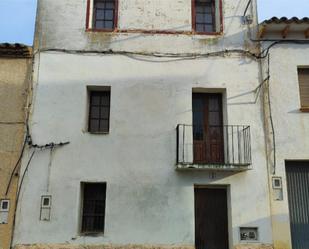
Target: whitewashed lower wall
<point x="148" y="202"/>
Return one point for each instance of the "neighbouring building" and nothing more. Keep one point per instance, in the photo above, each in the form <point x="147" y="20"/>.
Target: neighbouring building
<point x="148" y="128"/>
<point x="15" y="73"/>
<point x="287" y="68"/>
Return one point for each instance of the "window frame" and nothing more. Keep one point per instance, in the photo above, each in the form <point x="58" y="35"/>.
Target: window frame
<point x="82" y="195"/>
<point x="303" y="107"/>
<point x="90" y="17"/>
<point x="91" y="90"/>
<point x="193" y="14"/>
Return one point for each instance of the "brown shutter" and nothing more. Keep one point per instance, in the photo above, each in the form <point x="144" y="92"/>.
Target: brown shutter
<point x="303" y="78"/>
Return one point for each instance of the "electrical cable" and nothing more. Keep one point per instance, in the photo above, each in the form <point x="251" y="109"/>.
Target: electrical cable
<point x="17" y="197"/>
<point x="265" y="53"/>
<point x="16" y="165"/>
<point x="271" y="117"/>
<point x="247" y="7"/>
<point x="158" y="55"/>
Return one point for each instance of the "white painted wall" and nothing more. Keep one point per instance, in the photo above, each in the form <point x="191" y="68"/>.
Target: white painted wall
<point x="148" y="201"/>
<point x="62" y="25"/>
<point x="290" y="124"/>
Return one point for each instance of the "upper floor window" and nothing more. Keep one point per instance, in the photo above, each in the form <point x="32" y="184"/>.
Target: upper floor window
<point x="207" y="16"/>
<point x="303" y="78"/>
<point x="103" y="14"/>
<point x="99" y="111"/>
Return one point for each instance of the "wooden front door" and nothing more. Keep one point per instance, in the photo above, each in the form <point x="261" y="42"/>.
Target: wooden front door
<point x="207" y="128"/>
<point x="211" y="220"/>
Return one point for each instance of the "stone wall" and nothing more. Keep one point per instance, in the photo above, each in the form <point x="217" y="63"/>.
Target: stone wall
<point x="14" y="83"/>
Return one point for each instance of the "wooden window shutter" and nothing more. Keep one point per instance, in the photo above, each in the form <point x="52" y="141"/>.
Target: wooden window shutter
<point x="303" y="78"/>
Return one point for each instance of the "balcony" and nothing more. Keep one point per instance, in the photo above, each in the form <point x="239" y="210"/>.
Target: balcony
<point x="226" y="147"/>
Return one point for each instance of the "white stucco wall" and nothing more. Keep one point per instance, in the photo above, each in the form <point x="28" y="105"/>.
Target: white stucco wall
<point x="148" y="201"/>
<point x="62" y="25"/>
<point x="290" y="124"/>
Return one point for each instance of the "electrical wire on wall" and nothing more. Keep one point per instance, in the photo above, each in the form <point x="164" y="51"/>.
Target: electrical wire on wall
<point x="270" y="116"/>
<point x="179" y="56"/>
<point x="166" y="57"/>
<point x="265" y="54"/>
<point x="35" y="147"/>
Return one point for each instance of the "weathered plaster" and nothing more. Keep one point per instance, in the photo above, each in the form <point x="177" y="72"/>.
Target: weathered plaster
<point x="14" y="83"/>
<point x="67" y="19"/>
<point x="290" y="124"/>
<point x="148" y="202"/>
<point x="130" y="246"/>
<point x="151" y="196"/>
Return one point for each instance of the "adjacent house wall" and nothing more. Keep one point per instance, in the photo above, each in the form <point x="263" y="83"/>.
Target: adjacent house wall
<point x="291" y="126"/>
<point x="14" y="83"/>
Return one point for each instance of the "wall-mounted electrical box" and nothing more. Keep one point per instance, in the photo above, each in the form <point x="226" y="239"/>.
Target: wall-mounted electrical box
<point x="277" y="188"/>
<point x="277" y="182"/>
<point x="45" y="207"/>
<point x="248" y="234"/>
<point x="4" y="211"/>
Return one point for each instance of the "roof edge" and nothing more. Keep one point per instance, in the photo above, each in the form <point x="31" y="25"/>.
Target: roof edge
<point x="15" y="50"/>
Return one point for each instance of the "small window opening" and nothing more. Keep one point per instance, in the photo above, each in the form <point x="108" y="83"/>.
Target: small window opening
<point x="93" y="210"/>
<point x="303" y="78"/>
<point x="99" y="111"/>
<point x="104" y="14"/>
<point x="206" y="16"/>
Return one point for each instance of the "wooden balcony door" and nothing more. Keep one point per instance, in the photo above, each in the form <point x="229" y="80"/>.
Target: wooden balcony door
<point x="208" y="139"/>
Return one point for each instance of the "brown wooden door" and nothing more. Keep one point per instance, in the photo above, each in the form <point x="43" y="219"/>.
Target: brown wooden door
<point x="211" y="222"/>
<point x="207" y="128"/>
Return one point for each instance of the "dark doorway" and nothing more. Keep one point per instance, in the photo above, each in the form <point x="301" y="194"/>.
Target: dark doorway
<point x="211" y="221"/>
<point x="207" y="128"/>
<point x="297" y="173"/>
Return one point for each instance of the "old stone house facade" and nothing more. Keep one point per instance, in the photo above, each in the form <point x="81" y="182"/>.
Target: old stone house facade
<point x="15" y="78"/>
<point x="150" y="128"/>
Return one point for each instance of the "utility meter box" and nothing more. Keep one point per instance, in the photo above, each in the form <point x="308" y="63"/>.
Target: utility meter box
<point x="45" y="208"/>
<point x="4" y="211"/>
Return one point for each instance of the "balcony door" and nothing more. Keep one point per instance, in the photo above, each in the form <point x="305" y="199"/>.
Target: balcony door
<point x="208" y="144"/>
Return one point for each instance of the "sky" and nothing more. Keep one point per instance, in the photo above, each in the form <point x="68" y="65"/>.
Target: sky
<point x="17" y="17"/>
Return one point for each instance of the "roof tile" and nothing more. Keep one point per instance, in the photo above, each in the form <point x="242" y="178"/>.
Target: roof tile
<point x="15" y="50"/>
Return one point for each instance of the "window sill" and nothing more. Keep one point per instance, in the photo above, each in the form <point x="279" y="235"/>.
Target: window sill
<point x="99" y="133"/>
<point x="91" y="234"/>
<point x="208" y="33"/>
<point x="304" y="109"/>
<point x="101" y="30"/>
<point x="153" y="32"/>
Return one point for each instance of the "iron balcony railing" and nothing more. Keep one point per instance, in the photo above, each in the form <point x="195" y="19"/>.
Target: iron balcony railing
<point x="227" y="145"/>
